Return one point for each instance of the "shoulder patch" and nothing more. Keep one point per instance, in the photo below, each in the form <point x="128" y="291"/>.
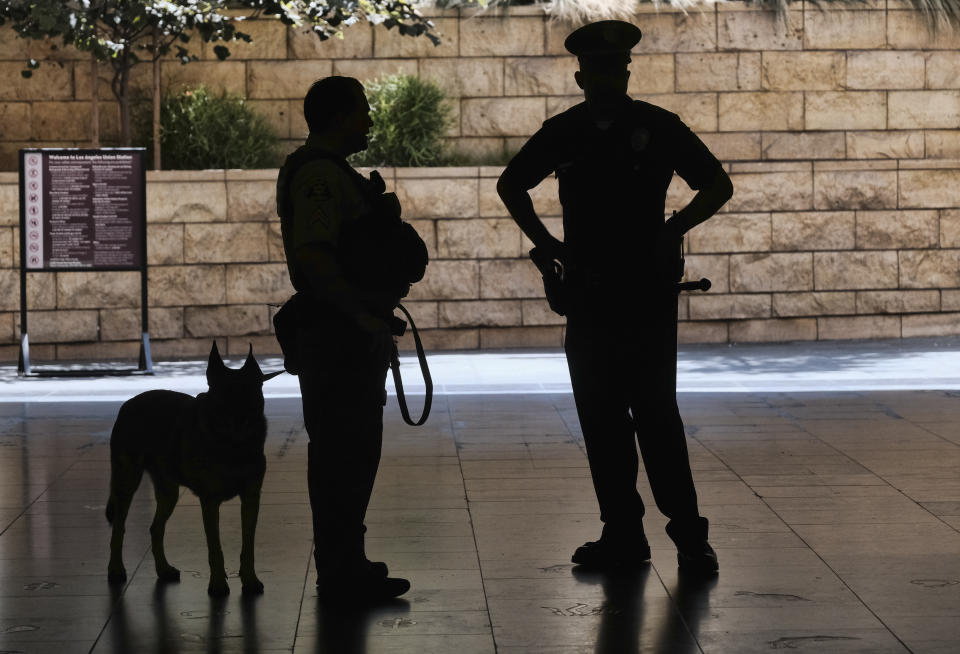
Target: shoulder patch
<point x="319" y="190"/>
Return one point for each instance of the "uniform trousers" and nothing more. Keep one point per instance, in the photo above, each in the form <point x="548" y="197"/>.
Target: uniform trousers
<point x="343" y="398"/>
<point x="623" y="372"/>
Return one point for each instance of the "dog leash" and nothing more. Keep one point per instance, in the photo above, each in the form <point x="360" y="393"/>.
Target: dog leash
<point x="424" y="369"/>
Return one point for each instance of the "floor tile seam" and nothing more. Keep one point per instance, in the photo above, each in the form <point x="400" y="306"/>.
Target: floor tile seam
<point x="818" y="555"/>
<point x="948" y="441"/>
<point x="303" y="595"/>
<point x="473" y="530"/>
<point x="120" y="597"/>
<point x="676" y="607"/>
<point x="879" y="476"/>
<point x="291" y="437"/>
<point x="37" y="498"/>
<point x="574" y="438"/>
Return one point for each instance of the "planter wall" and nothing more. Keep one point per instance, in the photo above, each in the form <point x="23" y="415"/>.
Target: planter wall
<point x="804" y="251"/>
<point x="839" y="128"/>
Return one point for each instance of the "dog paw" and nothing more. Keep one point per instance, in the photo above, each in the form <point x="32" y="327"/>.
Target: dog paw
<point x="218" y="588"/>
<point x="116" y="576"/>
<point x="168" y="573"/>
<point x="254" y="587"/>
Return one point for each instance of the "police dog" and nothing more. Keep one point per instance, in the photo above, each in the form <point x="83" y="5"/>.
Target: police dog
<point x="212" y="444"/>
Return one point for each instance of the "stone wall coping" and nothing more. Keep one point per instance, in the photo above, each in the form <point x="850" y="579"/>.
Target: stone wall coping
<point x="9" y="178"/>
<point x="387" y="172"/>
<point x="491" y="171"/>
<point x="210" y="175"/>
<point x="770" y="167"/>
<point x="927" y="164"/>
<point x="263" y="174"/>
<point x="862" y="164"/>
<point x="437" y="172"/>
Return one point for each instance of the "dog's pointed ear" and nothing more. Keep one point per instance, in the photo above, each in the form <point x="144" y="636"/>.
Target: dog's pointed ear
<point x="271" y="375"/>
<point x="251" y="365"/>
<point x="215" y="362"/>
<point x="216" y="368"/>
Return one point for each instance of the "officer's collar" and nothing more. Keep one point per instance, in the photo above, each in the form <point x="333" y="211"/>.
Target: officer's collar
<point x="621" y="111"/>
<point x="314" y="142"/>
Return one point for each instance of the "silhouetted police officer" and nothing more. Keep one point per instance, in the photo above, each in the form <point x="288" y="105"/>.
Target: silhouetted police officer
<point x="344" y="341"/>
<point x="614" y="158"/>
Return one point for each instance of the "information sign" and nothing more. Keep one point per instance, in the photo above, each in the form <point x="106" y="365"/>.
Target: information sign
<point x="84" y="209"/>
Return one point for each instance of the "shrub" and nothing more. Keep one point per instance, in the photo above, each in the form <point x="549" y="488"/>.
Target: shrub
<point x="410" y="117"/>
<point x="202" y="129"/>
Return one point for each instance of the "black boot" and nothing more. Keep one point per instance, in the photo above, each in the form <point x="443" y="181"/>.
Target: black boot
<point x="359" y="586"/>
<point x="317" y="499"/>
<point x="694" y="555"/>
<point x="615" y="548"/>
<point x="352" y="579"/>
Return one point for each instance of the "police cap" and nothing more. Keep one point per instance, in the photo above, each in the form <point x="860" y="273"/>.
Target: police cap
<point x="603" y="39"/>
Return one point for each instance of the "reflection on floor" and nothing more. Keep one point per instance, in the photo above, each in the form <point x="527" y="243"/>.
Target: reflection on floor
<point x="835" y="517"/>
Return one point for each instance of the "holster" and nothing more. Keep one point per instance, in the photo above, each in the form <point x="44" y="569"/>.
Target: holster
<point x="554" y="286"/>
<point x="292" y="315"/>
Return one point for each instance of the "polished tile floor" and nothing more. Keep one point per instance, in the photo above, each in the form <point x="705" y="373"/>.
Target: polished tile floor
<point x="835" y="517"/>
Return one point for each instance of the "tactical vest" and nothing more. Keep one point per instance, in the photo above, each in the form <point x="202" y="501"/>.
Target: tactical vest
<point x="378" y="251"/>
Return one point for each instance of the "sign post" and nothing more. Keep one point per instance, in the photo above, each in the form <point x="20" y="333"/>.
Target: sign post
<point x="83" y="210"/>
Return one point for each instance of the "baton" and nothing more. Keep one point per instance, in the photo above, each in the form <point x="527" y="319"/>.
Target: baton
<point x="702" y="285"/>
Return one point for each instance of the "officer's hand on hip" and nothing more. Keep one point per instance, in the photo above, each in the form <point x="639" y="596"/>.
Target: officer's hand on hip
<point x="555" y="249"/>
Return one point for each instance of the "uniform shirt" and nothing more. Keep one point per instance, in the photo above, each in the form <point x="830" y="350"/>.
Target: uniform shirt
<point x="613" y="181"/>
<point x="323" y="197"/>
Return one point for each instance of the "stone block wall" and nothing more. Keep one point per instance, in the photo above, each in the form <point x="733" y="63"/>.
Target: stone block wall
<point x="835" y="82"/>
<point x="804" y="251"/>
<point x="839" y="128"/>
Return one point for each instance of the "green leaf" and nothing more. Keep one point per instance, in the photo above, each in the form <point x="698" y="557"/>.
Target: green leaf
<point x="26" y="74"/>
<point x="221" y="51"/>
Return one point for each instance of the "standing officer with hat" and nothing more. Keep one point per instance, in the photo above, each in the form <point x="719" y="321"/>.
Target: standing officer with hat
<point x="614" y="158"/>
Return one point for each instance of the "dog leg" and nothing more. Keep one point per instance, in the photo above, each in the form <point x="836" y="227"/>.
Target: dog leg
<point x="166" y="493"/>
<point x="211" y="525"/>
<point x="249" y="510"/>
<point x="125" y="475"/>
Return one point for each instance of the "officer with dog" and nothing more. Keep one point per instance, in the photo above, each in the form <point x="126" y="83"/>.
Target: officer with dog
<point x="614" y="158"/>
<point x="343" y="335"/>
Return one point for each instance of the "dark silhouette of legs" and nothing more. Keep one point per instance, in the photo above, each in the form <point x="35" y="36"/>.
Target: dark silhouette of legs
<point x="346" y="433"/>
<point x="623" y="373"/>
